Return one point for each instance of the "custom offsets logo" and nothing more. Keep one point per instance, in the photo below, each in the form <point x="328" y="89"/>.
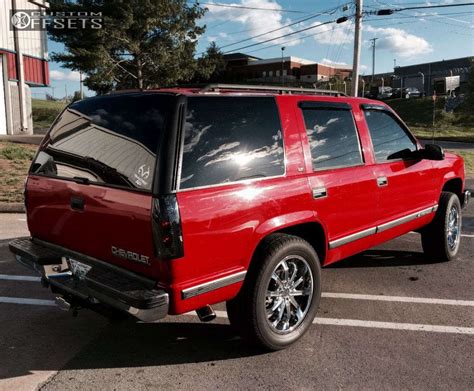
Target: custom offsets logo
<point x="43" y="20"/>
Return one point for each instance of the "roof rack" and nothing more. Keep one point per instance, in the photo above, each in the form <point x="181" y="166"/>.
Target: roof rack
<point x="278" y="89"/>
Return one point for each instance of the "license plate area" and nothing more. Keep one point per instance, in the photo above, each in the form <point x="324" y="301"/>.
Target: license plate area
<point x="78" y="269"/>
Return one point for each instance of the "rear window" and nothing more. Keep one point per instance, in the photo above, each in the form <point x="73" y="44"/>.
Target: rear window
<point x="109" y="140"/>
<point x="228" y="139"/>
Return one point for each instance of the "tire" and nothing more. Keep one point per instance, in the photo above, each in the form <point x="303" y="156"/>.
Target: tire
<point x="442" y="237"/>
<point x="288" y="267"/>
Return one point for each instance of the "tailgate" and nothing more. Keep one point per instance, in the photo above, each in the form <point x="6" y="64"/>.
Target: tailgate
<point x="90" y="184"/>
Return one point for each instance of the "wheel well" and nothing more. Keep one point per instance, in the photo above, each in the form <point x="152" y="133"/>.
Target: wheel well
<point x="313" y="233"/>
<point x="454" y="186"/>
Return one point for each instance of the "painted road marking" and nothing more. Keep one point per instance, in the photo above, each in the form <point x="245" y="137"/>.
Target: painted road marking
<point x="19" y="278"/>
<point x="384" y="325"/>
<point x="463" y="235"/>
<point x="321" y="321"/>
<point x="394" y="326"/>
<point x="401" y="299"/>
<point x="22" y="300"/>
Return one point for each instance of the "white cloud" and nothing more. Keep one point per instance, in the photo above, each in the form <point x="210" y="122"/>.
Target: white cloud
<point x="64" y="76"/>
<point x="334" y="34"/>
<point x="254" y="22"/>
<point x="399" y="42"/>
<point x="327" y="61"/>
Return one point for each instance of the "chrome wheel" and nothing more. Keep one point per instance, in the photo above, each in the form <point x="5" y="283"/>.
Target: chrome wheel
<point x="289" y="294"/>
<point x="454" y="228"/>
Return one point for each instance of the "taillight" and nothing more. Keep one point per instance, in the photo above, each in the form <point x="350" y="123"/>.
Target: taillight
<point x="166" y="225"/>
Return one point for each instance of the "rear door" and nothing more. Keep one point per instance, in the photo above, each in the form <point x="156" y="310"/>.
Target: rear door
<point x="342" y="185"/>
<point x="90" y="184"/>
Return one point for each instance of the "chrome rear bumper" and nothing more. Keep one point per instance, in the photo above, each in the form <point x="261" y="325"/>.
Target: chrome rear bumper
<point x="101" y="284"/>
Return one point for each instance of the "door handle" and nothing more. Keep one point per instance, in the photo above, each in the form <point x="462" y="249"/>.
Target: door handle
<point x="382" y="181"/>
<point x="320" y="192"/>
<point x="77" y="203"/>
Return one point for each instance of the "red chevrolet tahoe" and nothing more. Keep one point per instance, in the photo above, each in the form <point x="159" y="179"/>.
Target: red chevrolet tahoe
<point x="162" y="202"/>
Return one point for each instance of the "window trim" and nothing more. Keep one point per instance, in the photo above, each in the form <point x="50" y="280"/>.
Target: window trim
<point x="243" y="181"/>
<point x="374" y="107"/>
<point x="321" y="105"/>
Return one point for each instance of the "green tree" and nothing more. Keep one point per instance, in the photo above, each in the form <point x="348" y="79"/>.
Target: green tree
<point x="470" y="85"/>
<point x="142" y="44"/>
<point x="211" y="66"/>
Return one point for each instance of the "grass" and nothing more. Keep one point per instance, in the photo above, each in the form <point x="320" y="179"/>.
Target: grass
<point x="468" y="161"/>
<point x="45" y="112"/>
<point x="418" y="114"/>
<point x="15" y="160"/>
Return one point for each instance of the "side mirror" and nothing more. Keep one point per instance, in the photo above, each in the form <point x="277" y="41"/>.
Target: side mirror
<point x="432" y="152"/>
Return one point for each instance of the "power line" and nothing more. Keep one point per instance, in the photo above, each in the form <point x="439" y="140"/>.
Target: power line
<point x="327" y="12"/>
<point x="340" y="20"/>
<point x="251" y="8"/>
<point x="390" y="11"/>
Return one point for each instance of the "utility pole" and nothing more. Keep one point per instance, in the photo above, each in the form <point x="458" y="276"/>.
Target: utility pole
<point x="282" y="64"/>
<point x="355" y="61"/>
<point x="373" y="57"/>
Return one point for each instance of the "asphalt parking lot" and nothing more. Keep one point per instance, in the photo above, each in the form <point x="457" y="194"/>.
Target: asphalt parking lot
<point x="388" y="319"/>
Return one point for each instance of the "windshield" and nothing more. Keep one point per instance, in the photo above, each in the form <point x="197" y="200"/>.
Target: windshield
<point x="110" y="140"/>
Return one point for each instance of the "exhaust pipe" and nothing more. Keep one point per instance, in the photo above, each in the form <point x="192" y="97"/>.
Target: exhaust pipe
<point x="63" y="304"/>
<point x="206" y="314"/>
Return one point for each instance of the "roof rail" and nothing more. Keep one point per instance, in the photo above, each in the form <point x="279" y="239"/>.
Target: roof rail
<point x="278" y="89"/>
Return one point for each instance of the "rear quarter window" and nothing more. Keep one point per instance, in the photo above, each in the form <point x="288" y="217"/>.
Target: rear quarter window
<point x="229" y="139"/>
<point x="111" y="140"/>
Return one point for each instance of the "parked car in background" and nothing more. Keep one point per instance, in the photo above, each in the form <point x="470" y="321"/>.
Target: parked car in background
<point x="411" y="92"/>
<point x="384" y="93"/>
<point x="162" y="202"/>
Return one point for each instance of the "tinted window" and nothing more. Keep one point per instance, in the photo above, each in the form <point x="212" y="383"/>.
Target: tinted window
<point x="229" y="139"/>
<point x="110" y="139"/>
<point x="332" y="137"/>
<point x="389" y="139"/>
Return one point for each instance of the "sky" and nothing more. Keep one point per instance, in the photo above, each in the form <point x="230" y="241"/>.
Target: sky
<point x="403" y="38"/>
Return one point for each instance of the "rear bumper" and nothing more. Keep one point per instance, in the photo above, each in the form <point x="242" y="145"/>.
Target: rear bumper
<point x="101" y="284"/>
<point x="466" y="197"/>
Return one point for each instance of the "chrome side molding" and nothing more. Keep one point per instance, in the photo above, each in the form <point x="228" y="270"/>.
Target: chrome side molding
<point x="212" y="285"/>
<point x="383" y="227"/>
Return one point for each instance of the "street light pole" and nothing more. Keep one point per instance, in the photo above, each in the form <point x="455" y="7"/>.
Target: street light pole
<point x="282" y="64"/>
<point x="422" y="81"/>
<point x="355" y="62"/>
<point x="373" y="57"/>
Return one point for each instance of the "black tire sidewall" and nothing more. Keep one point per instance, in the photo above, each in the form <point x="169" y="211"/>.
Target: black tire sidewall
<point x="270" y="338"/>
<point x="453" y="201"/>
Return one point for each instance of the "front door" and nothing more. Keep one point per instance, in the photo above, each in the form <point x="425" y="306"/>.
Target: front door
<point x="405" y="184"/>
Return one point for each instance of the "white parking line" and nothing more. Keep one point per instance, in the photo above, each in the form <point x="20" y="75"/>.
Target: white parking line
<point x="395" y="326"/>
<point x="19" y="278"/>
<point x="401" y="299"/>
<point x="321" y="321"/>
<point x="463" y="235"/>
<point x="22" y="300"/>
<point x="385" y="325"/>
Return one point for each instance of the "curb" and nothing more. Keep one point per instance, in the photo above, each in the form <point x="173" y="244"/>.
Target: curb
<point x="12" y="207"/>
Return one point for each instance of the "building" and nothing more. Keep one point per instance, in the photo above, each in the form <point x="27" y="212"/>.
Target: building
<point x="243" y="67"/>
<point x="23" y="65"/>
<point x="428" y="77"/>
<point x="322" y="72"/>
